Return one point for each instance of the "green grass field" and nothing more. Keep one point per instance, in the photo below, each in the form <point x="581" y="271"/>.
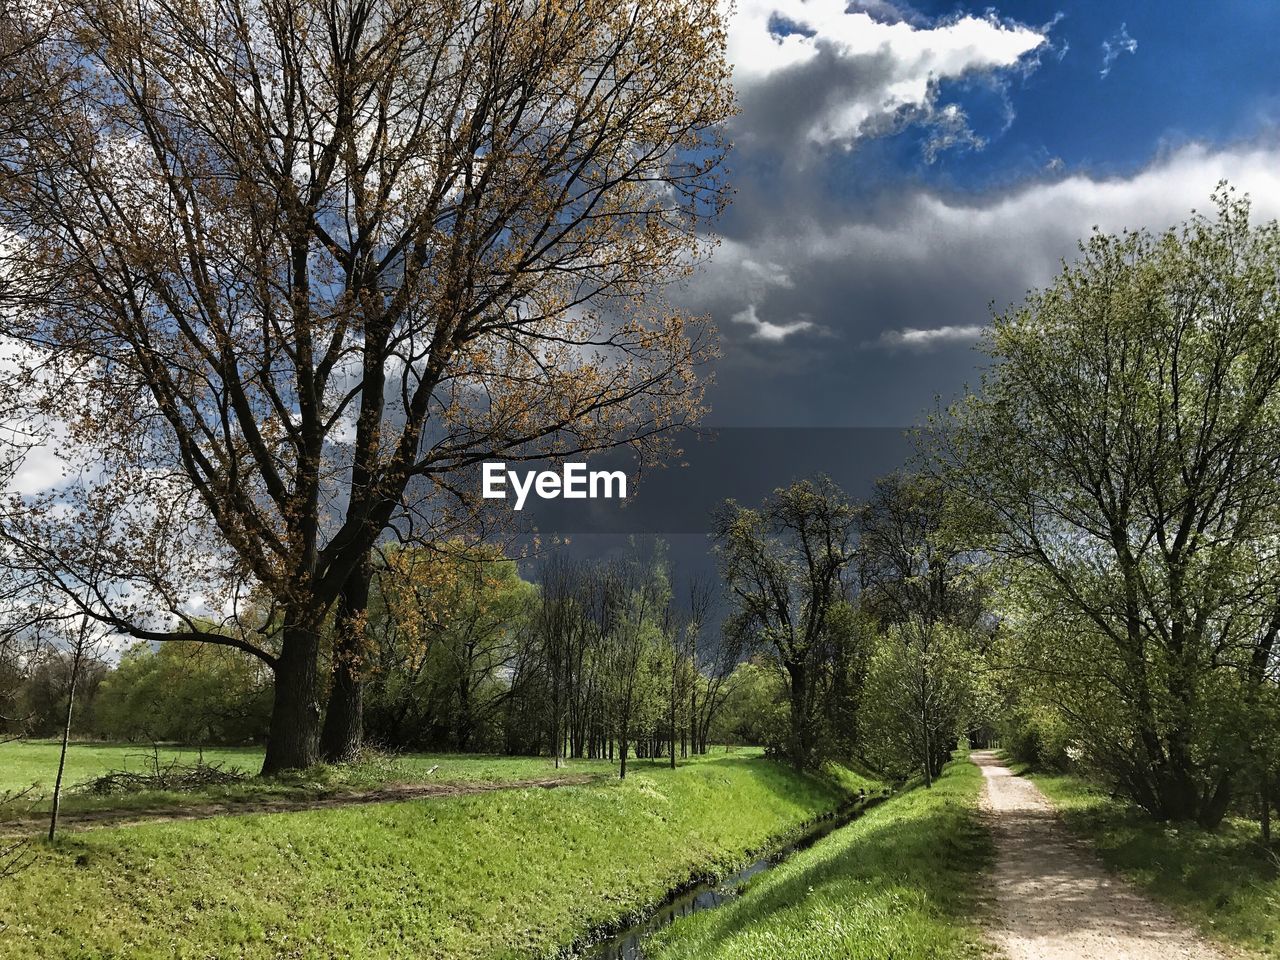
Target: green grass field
<point x="512" y="873"/>
<point x="1221" y="880"/>
<point x="900" y="882"/>
<point x="35" y="763"/>
<point x="25" y="763"/>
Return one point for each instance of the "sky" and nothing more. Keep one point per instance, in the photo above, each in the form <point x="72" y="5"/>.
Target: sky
<point x="900" y="171"/>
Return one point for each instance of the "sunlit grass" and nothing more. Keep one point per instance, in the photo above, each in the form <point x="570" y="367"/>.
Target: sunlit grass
<point x="901" y="882"/>
<point x="512" y="873"/>
<point x="35" y="764"/>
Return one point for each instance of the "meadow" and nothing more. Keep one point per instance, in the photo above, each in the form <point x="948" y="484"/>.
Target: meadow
<point x="900" y="882"/>
<point x="518" y="872"/>
<point x="34" y="764"/>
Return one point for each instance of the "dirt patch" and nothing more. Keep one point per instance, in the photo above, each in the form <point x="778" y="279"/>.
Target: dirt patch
<point x="1053" y="899"/>
<point x="91" y="819"/>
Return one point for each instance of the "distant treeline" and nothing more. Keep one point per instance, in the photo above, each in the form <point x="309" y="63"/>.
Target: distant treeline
<point x="830" y="649"/>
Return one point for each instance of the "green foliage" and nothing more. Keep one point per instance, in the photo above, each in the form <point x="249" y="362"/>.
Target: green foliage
<point x="507" y="874"/>
<point x="1221" y="879"/>
<point x="900" y="882"/>
<point x="755" y="707"/>
<point x="926" y="594"/>
<point x="194" y="693"/>
<point x="1122" y="456"/>
<point x="38" y="698"/>
<point x="444" y="625"/>
<point x="786" y="564"/>
<point x="918" y="692"/>
<point x="1037" y="736"/>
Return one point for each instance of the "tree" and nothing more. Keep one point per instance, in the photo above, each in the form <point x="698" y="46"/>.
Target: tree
<point x="561" y="628"/>
<point x="755" y="707"/>
<point x="922" y="587"/>
<point x="785" y="564"/>
<point x="1123" y="449"/>
<point x="194" y="693"/>
<point x="636" y="594"/>
<point x="82" y="642"/>
<point x="918" y="689"/>
<point x="280" y="270"/>
<point x="712" y="663"/>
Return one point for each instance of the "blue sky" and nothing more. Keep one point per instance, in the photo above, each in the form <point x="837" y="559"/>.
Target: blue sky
<point x="1188" y="71"/>
<point x="901" y="168"/>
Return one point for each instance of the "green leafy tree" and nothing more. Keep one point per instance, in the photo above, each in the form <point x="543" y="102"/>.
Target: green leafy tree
<point x="785" y="564"/>
<point x="1123" y="448"/>
<point x="755" y="709"/>
<point x="191" y="693"/>
<point x="924" y="590"/>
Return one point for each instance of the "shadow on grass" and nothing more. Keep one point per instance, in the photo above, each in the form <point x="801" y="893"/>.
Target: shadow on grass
<point x="1223" y="879"/>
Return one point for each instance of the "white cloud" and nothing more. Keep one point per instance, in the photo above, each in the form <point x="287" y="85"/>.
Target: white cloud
<point x="912" y="338"/>
<point x="1032" y="228"/>
<point x="764" y="330"/>
<point x="843" y="74"/>
<point x="1118" y="43"/>
<point x="928" y="268"/>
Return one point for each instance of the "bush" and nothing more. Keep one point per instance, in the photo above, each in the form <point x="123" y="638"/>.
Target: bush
<point x="1040" y="739"/>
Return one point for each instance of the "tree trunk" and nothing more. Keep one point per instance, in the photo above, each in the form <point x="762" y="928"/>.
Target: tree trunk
<point x="62" y="755"/>
<point x="343" y="733"/>
<point x="799" y="719"/>
<point x="673" y="720"/>
<point x="293" y="739"/>
<point x="693" y="716"/>
<point x="1213" y="806"/>
<point x="1264" y="818"/>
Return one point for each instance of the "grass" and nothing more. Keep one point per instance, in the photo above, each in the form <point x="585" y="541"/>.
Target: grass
<point x="1220" y="880"/>
<point x="513" y="873"/>
<point x="897" y="883"/>
<point x="35" y="762"/>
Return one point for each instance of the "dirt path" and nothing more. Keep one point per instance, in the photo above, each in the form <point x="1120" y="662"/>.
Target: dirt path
<point x="94" y="819"/>
<point x="1054" y="900"/>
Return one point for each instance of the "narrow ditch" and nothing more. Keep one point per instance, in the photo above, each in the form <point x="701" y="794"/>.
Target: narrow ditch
<point x="627" y="942"/>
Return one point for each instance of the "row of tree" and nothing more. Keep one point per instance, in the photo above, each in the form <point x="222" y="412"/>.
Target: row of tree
<point x="597" y="660"/>
<point x="831" y="649"/>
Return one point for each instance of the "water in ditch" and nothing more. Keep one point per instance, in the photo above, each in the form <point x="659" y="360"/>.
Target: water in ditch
<point x="628" y="943"/>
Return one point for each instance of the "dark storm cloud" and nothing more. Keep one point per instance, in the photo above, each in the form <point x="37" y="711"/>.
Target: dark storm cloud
<point x="895" y="293"/>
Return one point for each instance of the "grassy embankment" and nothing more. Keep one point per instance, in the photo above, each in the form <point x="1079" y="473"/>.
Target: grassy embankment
<point x="899" y="882"/>
<point x="35" y="763"/>
<point x="1222" y="880"/>
<point x="511" y="873"/>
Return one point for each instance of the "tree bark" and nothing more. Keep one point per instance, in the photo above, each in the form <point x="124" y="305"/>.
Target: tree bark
<point x="343" y="732"/>
<point x="799" y="714"/>
<point x="293" y="739"/>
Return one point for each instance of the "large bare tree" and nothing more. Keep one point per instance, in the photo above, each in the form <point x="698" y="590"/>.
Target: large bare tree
<point x="276" y="270"/>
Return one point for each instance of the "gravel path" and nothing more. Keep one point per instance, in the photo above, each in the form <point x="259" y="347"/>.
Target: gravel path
<point x="1054" y="901"/>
